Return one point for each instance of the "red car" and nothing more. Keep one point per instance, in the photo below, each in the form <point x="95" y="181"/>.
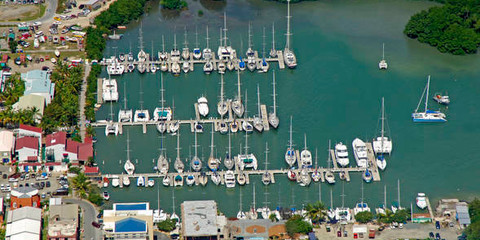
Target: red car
<point x="96" y="224"/>
<point x="339" y="233"/>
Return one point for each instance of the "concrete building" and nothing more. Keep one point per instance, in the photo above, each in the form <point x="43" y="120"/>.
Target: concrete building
<point x="256" y="229"/>
<point x="31" y="101"/>
<point x="29" y="131"/>
<point x="6" y="146"/>
<point x="63" y="222"/>
<point x="27" y="149"/>
<point x="24" y="223"/>
<point x="24" y="197"/>
<point x="200" y="220"/>
<point x="133" y="221"/>
<point x="55" y="146"/>
<point x="38" y="82"/>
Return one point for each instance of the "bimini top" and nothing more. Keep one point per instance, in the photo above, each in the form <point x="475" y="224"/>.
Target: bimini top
<point x="130" y="206"/>
<point x="130" y="225"/>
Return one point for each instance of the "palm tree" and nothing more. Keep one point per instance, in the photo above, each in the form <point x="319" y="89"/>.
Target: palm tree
<point x="273" y="217"/>
<point x="82" y="184"/>
<point x="316" y="212"/>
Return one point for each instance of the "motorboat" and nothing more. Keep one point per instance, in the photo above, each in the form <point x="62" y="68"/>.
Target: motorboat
<point x="176" y="68"/>
<point x="166" y="181"/>
<point x="190" y="180"/>
<point x="341" y="154"/>
<point x="106" y="196"/>
<point x="150" y="183"/>
<point x="290" y="156"/>
<point x="230" y="179"/>
<point x="185" y="66"/>
<point x="381" y="162"/>
<point x="57" y="53"/>
<point x="140" y="181"/>
<point x="306" y="156"/>
<point x="292" y="175"/>
<point x="174" y="126"/>
<point x="427" y="116"/>
<point x="197" y="54"/>
<point x="126" y="181"/>
<point x="141" y="116"/>
<point x="208" y="67"/>
<point x="234" y="126"/>
<point x="382" y="144"/>
<point x="367" y="175"/>
<point x="421" y="201"/>
<point x="198" y="127"/>
<point x="247" y="126"/>
<point x="163" y="66"/>
<point x="130" y="67"/>
<point x="382" y="65"/>
<point x="329" y="177"/>
<point x="178" y="181"/>
<point x="360" y="152"/>
<point x="115" y="181"/>
<point x="441" y="99"/>
<point x="221" y="66"/>
<point x="223" y="127"/>
<point x="203" y="106"/>
<point x="129" y="167"/>
<point x="316" y="175"/>
<point x="105" y="182"/>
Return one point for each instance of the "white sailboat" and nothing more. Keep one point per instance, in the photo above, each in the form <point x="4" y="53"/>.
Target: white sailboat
<point x="140" y="181"/>
<point x="246" y="125"/>
<point x="129" y="167"/>
<point x="196" y="163"/>
<point x="247" y="160"/>
<point x="329" y="176"/>
<point x="304" y="178"/>
<point x="396" y="205"/>
<point x="162" y="114"/>
<point x="197" y="54"/>
<point x="257" y="120"/>
<point x="272" y="117"/>
<point x="341" y="154"/>
<point x="162" y="56"/>
<point x="306" y="156"/>
<point x="252" y="214"/>
<point x="125" y="115"/>
<point x="178" y="165"/>
<point x="288" y="56"/>
<point x="382" y="209"/>
<point x="383" y="64"/>
<point x="265" y="210"/>
<point x="207" y="55"/>
<point x="225" y="53"/>
<point x="174" y="124"/>
<point x="360" y="152"/>
<point x="316" y="175"/>
<point x="162" y="161"/>
<point x="115" y="181"/>
<point x="237" y="105"/>
<point x="251" y="61"/>
<point x="361" y="206"/>
<point x="141" y="115"/>
<point x="290" y="156"/>
<point x="185" y="50"/>
<point x="222" y="104"/>
<point x="382" y="144"/>
<point x="213" y="163"/>
<point x="427" y="116"/>
<point x="175" y="57"/>
<point x="264" y="63"/>
<point x="273" y="51"/>
<point x="241" y="214"/>
<point x="228" y="161"/>
<point x="266" y="176"/>
<point x="111" y="127"/>
<point x="126" y="181"/>
<point x="142" y="56"/>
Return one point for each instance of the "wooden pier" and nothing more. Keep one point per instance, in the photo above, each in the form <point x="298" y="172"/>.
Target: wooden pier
<point x="266" y="125"/>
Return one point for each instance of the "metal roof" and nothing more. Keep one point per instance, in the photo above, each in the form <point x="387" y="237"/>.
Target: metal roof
<point x="462" y="214"/>
<point x="38" y="81"/>
<point x="199" y="218"/>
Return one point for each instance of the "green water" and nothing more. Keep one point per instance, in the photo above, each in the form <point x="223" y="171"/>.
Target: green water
<point x="334" y="93"/>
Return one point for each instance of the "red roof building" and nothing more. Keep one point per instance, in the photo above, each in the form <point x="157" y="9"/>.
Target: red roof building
<point x="55" y="146"/>
<point x="56" y="138"/>
<point x="85" y="151"/>
<point x="26" y="148"/>
<point x="91" y="170"/>
<point x="30" y="128"/>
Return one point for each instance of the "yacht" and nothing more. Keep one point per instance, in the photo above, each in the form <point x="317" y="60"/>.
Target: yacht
<point x="164" y="66"/>
<point x="360" y="152"/>
<point x="241" y="64"/>
<point x="190" y="180"/>
<point x="306" y="156"/>
<point x="125" y="115"/>
<point x="383" y="64"/>
<point x="228" y="161"/>
<point x="198" y="127"/>
<point x="288" y="56"/>
<point x="203" y="106"/>
<point x="290" y="156"/>
<point x="222" y="107"/>
<point x="115" y="181"/>
<point x="178" y="165"/>
<point x="237" y="105"/>
<point x="185" y="66"/>
<point x="421" y="201"/>
<point x="126" y="181"/>
<point x="208" y="67"/>
<point x="230" y="179"/>
<point x="213" y="162"/>
<point x="272" y="117"/>
<point x="197" y="54"/>
<point x="185" y="50"/>
<point x="341" y="154"/>
<point x="140" y="181"/>
<point x="176" y="68"/>
<point x="257" y="120"/>
<point x="110" y="91"/>
<point x="427" y="115"/>
<point x="196" y="163"/>
<point x="106" y="196"/>
<point x="382" y="144"/>
<point x="178" y="181"/>
<point x="292" y="175"/>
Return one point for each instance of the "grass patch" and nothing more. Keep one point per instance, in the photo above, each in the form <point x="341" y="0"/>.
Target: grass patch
<point x="38" y="14"/>
<point x="61" y="6"/>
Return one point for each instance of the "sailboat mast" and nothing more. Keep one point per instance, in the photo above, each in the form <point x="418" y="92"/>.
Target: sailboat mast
<point x="320" y="192"/>
<point x="398" y="189"/>
<point x="254" y="203"/>
<point x="125" y="95"/>
<point x="316" y="157"/>
<point x="240" y="200"/>
<point x="331" y="198"/>
<point x="128" y="145"/>
<point x="195" y="146"/>
<point x="185" y="36"/>
<point x="161" y="92"/>
<point x="274" y="96"/>
<point x="221" y="87"/>
<point x="263" y="44"/>
<point x="221" y="37"/>
<point x="258" y="101"/>
<point x="163" y="43"/>
<point x="383" y="51"/>
<point x="178" y="145"/>
<point x="207" y="36"/>
<point x="211" y="143"/>
<point x="174" y="41"/>
<point x="173" y="200"/>
<point x="287" y="45"/>
<point x="239" y="94"/>
<point x="140" y="38"/>
<point x="362" y="194"/>
<point x="224" y="29"/>
<point x="305" y="138"/>
<point x="266" y="156"/>
<point x="383" y="121"/>
<point x="328" y="158"/>
<point x="249" y="35"/>
<point x="229" y="145"/>
<point x="385" y="196"/>
<point x="196" y="36"/>
<point x="273" y="36"/>
<point x="426" y="96"/>
<point x="290" y="142"/>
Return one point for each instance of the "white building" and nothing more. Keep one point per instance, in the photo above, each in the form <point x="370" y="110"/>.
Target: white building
<point x="133" y="221"/>
<point x="24" y="223"/>
<point x="55" y="146"/>
<point x="27" y="149"/>
<point x="29" y="131"/>
<point x="6" y="146"/>
<point x="38" y="82"/>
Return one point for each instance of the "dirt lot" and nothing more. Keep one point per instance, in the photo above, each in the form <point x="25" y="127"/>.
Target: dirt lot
<point x="14" y="12"/>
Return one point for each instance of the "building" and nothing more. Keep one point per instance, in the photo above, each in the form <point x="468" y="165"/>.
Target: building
<point x="462" y="215"/>
<point x="2" y="210"/>
<point x="27" y="149"/>
<point x="421" y="217"/>
<point x="29" y="131"/>
<point x="85" y="151"/>
<point x="200" y="220"/>
<point x="92" y="5"/>
<point x="24" y="197"/>
<point x="6" y="146"/>
<point x="63" y="222"/>
<point x="31" y="101"/>
<point x="133" y="221"/>
<point x="24" y="223"/>
<point x="38" y="82"/>
<point x="55" y="146"/>
<point x="256" y="229"/>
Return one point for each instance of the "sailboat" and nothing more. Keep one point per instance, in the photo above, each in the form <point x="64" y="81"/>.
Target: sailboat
<point x="225" y="52"/>
<point x="222" y="104"/>
<point x="111" y="127"/>
<point x="304" y="178"/>
<point x="173" y="216"/>
<point x="142" y="56"/>
<point x="162" y="56"/>
<point x="266" y="176"/>
<point x="272" y="117"/>
<point x="383" y="64"/>
<point x="247" y="160"/>
<point x="213" y="162"/>
<point x="126" y="181"/>
<point x="174" y="124"/>
<point x="153" y="68"/>
<point x="331" y="211"/>
<point x="306" y="156"/>
<point x="329" y="176"/>
<point x="396" y="205"/>
<point x="265" y="65"/>
<point x="175" y="57"/>
<point x="382" y="145"/>
<point x="197" y="54"/>
<point x="247" y="126"/>
<point x="343" y="214"/>
<point x="196" y="164"/>
<point x="237" y="105"/>
<point x="383" y="207"/>
<point x="241" y="214"/>
<point x="178" y="165"/>
<point x="288" y="56"/>
<point x="290" y="156"/>
<point x="162" y="114"/>
<point x="252" y="214"/>
<point x="427" y="115"/>
<point x="265" y="210"/>
<point x="257" y="120"/>
<point x="221" y="65"/>
<point x="125" y="115"/>
<point x="251" y="64"/>
<point x="316" y="175"/>
<point x="361" y="206"/>
<point x="273" y="51"/>
<point x="129" y="167"/>
<point x="185" y="50"/>
<point x="228" y="161"/>
<point x="162" y="161"/>
<point x="207" y="55"/>
<point x="141" y="115"/>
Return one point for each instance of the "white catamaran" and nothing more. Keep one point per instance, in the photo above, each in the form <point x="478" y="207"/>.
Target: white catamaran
<point x="383" y="64"/>
<point x="288" y="56"/>
<point x="427" y="115"/>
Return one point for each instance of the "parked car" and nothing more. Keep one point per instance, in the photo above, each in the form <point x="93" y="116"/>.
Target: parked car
<point x="96" y="224"/>
<point x="437" y="224"/>
<point x="437" y="236"/>
<point x="431" y="235"/>
<point x="48" y="184"/>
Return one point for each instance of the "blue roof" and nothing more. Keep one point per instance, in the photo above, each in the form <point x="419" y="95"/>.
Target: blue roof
<point x="38" y="81"/>
<point x="130" y="225"/>
<point x="130" y="207"/>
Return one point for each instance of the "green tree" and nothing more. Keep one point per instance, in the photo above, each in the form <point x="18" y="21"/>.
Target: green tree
<point x="473" y="230"/>
<point x="273" y="217"/>
<point x="364" y="217"/>
<point x="81" y="184"/>
<point x="173" y="4"/>
<point x="401" y="216"/>
<point x="316" y="212"/>
<point x="385" y="218"/>
<point x="297" y="224"/>
<point x="167" y="225"/>
<point x="12" y="44"/>
<point x="95" y="198"/>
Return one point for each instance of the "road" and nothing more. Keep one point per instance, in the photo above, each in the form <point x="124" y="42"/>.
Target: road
<point x="89" y="215"/>
<point x="49" y="13"/>
<point x="82" y="100"/>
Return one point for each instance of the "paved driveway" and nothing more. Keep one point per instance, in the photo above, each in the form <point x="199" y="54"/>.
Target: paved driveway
<point x="89" y="215"/>
<point x="49" y="13"/>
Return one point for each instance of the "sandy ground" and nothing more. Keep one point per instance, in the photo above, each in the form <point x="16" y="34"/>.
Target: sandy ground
<point x="14" y="11"/>
<point x="410" y="231"/>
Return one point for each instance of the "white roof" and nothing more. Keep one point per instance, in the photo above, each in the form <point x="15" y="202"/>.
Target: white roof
<point x="24" y="223"/>
<point x="6" y="141"/>
<point x="199" y="218"/>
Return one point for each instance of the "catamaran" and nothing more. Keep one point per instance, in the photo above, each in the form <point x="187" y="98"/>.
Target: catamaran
<point x="257" y="120"/>
<point x="290" y="157"/>
<point x="383" y="64"/>
<point x="141" y="115"/>
<point x="360" y="152"/>
<point x="213" y="163"/>
<point x="288" y="56"/>
<point x="343" y="214"/>
<point x="272" y="117"/>
<point x="247" y="160"/>
<point x="162" y="114"/>
<point x="222" y="107"/>
<point x="427" y="115"/>
<point x="237" y="105"/>
<point x="196" y="163"/>
<point x="341" y="154"/>
<point x="382" y="145"/>
<point x="178" y="165"/>
<point x="361" y="206"/>
<point x="306" y="156"/>
<point x="125" y="115"/>
<point x="110" y="91"/>
<point x="225" y="52"/>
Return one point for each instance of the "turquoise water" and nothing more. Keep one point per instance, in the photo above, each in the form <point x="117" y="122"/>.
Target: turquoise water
<point x="334" y="93"/>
